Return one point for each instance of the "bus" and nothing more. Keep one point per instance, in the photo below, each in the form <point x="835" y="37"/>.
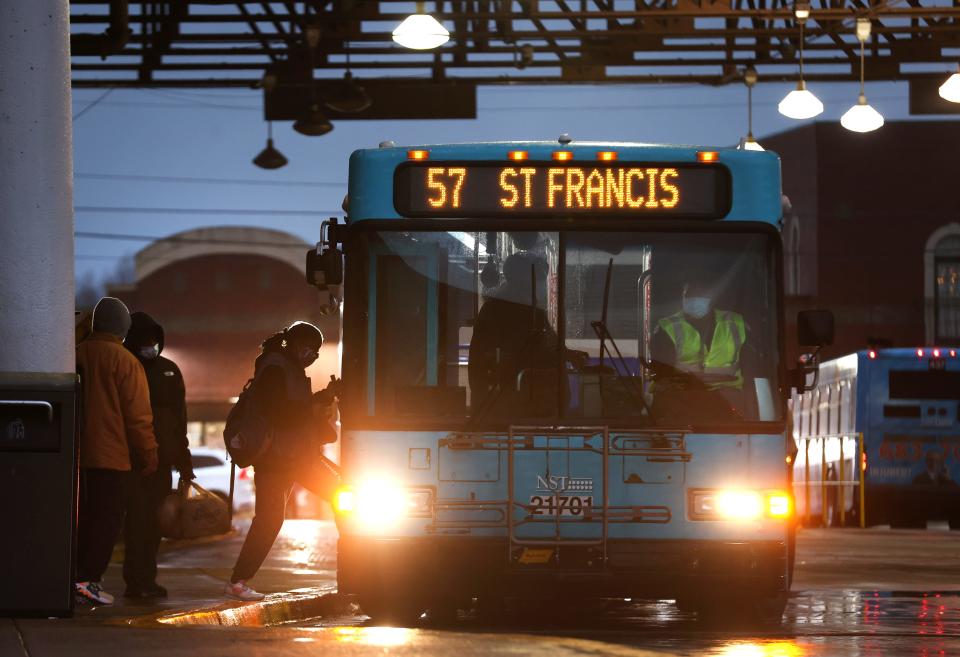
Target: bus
<point x="511" y="432"/>
<point x="886" y="418"/>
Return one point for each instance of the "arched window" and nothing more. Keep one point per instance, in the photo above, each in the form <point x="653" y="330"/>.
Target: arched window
<point x="942" y="260"/>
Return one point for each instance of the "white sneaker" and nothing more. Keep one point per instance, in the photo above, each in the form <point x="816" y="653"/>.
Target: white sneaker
<point x="240" y="591"/>
<point x="94" y="592"/>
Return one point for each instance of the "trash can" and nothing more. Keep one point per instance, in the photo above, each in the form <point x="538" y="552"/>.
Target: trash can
<point x="38" y="489"/>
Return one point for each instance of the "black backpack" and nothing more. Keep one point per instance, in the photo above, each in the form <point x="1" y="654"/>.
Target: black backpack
<point x="247" y="434"/>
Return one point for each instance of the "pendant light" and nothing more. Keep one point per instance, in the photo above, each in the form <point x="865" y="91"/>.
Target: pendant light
<point x="270" y="157"/>
<point x="748" y="143"/>
<point x="313" y="122"/>
<point x="350" y="97"/>
<point x="950" y="90"/>
<point x="801" y="103"/>
<point x="862" y="117"/>
<point x="421" y="31"/>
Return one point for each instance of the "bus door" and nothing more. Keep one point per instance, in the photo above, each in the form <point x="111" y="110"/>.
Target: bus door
<point x="404" y="339"/>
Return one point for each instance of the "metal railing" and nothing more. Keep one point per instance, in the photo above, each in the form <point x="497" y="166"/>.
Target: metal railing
<point x="824" y="483"/>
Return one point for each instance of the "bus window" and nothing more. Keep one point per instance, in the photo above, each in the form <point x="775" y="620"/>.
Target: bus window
<point x="718" y="367"/>
<point x="460" y="321"/>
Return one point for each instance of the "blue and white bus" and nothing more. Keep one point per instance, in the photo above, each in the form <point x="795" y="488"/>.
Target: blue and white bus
<point x="508" y="429"/>
<point x="904" y="404"/>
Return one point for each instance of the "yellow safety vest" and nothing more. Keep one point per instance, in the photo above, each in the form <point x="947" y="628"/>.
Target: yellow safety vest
<point x="723" y="357"/>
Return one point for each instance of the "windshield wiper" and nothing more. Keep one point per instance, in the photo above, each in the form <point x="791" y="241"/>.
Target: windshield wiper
<point x="603" y="334"/>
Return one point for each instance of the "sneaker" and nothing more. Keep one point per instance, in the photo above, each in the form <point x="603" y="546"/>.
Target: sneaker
<point x="93" y="592"/>
<point x="240" y="591"/>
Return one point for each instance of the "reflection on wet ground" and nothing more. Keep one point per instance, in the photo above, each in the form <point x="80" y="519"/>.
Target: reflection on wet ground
<point x="816" y="623"/>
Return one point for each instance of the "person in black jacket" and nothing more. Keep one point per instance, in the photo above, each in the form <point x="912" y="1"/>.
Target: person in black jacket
<point x="145" y="493"/>
<point x="282" y="394"/>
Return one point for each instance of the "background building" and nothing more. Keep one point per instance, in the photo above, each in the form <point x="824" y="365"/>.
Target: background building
<point x="219" y="292"/>
<point x="873" y="233"/>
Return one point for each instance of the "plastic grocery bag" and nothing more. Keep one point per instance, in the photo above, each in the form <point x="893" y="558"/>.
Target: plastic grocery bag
<point x="192" y="511"/>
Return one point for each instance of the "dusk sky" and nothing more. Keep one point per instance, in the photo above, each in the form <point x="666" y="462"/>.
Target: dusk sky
<point x="135" y="147"/>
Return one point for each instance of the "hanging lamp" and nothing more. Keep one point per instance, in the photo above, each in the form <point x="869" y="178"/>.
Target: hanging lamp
<point x="862" y="117"/>
<point x="350" y="97"/>
<point x="748" y="143"/>
<point x="421" y="31"/>
<point x="270" y="157"/>
<point x="801" y="103"/>
<point x="950" y="90"/>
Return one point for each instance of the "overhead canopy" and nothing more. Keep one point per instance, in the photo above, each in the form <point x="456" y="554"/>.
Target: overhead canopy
<point x="212" y="44"/>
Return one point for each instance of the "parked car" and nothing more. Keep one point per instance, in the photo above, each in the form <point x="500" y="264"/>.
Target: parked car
<point x="212" y="469"/>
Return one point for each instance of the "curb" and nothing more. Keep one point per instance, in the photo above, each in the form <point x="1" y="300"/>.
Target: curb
<point x="277" y="609"/>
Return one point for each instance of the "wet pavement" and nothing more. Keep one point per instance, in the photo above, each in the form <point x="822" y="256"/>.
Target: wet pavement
<point x="856" y="592"/>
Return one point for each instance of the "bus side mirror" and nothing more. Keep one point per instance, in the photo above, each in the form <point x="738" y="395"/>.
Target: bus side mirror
<point x="324" y="269"/>
<point x="815" y="328"/>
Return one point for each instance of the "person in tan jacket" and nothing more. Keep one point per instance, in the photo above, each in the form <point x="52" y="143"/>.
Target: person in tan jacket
<point x="116" y="436"/>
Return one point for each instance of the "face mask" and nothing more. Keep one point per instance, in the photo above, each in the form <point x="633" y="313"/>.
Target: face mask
<point x="696" y="307"/>
<point x="150" y="351"/>
<point x="307" y="356"/>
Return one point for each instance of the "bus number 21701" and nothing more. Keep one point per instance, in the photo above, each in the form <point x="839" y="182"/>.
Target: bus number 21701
<point x="564" y="505"/>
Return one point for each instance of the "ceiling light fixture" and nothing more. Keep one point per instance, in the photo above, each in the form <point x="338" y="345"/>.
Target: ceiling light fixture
<point x="862" y="117"/>
<point x="801" y="103"/>
<point x="350" y="97"/>
<point x="421" y="31"/>
<point x="270" y="157"/>
<point x="314" y="123"/>
<point x="950" y="90"/>
<point x="748" y="143"/>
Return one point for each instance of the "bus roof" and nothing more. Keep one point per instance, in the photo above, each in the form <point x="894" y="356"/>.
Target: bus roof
<point x="755" y="175"/>
<point x="907" y="353"/>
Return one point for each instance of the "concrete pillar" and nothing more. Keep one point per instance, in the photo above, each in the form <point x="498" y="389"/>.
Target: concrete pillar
<point x="36" y="188"/>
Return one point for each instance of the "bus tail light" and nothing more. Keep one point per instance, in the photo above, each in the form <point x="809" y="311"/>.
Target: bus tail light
<point x="872" y="354"/>
<point x="919" y="353"/>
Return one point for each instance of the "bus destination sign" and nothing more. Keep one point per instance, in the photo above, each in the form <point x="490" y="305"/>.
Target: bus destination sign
<point x="485" y="189"/>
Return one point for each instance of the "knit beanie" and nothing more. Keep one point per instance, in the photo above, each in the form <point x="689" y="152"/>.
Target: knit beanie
<point x="111" y="316"/>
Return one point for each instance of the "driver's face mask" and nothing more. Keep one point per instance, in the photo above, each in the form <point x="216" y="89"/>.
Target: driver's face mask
<point x="150" y="351"/>
<point x="696" y="307"/>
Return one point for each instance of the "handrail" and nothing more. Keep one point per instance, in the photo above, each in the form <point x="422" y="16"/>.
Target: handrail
<point x="841" y="483"/>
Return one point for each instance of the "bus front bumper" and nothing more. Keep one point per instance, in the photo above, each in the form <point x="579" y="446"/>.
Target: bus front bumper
<point x="462" y="566"/>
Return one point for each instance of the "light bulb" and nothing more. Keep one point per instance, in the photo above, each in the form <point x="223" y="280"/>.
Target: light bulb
<point x="861" y="117"/>
<point x="950" y="90"/>
<point x="421" y="32"/>
<point x="800" y="103"/>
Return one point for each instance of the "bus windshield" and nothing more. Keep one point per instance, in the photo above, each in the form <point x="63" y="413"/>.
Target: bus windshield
<point x="625" y="328"/>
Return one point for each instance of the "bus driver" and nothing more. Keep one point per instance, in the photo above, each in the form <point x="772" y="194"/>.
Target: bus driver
<point x="699" y="347"/>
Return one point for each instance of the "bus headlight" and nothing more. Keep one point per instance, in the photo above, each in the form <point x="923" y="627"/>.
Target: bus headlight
<point x="380" y="503"/>
<point x="739" y="504"/>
